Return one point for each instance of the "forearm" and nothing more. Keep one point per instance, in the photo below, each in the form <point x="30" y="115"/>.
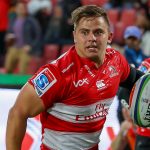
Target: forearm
<point x="119" y="142"/>
<point x="16" y="127"/>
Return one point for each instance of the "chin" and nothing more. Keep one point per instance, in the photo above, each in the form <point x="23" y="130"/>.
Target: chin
<point x="92" y="55"/>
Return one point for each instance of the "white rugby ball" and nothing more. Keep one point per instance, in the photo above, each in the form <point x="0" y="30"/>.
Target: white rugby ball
<point x="139" y="101"/>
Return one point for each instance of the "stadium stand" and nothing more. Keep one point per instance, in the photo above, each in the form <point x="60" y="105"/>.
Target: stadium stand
<point x="34" y="64"/>
<point x="128" y="17"/>
<point x="118" y="32"/>
<point x="65" y="48"/>
<point x="113" y="15"/>
<point x="94" y="2"/>
<point x="50" y="52"/>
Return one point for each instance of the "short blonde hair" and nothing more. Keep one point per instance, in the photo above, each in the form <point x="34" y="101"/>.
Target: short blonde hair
<point x="88" y="11"/>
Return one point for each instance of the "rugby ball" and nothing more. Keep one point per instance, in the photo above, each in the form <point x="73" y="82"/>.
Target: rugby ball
<point x="139" y="101"/>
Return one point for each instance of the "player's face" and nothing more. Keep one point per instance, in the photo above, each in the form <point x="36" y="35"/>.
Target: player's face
<point x="91" y="37"/>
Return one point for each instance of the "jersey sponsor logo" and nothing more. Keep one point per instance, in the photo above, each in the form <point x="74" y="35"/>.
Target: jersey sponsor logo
<point x="89" y="71"/>
<point x="43" y="81"/>
<point x="81" y="82"/>
<point x="68" y="67"/>
<point x="101" y="110"/>
<point x="100" y="84"/>
<point x="81" y="114"/>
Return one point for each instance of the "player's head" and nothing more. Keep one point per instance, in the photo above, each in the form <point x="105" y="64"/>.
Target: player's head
<point x="132" y="36"/>
<point x="91" y="31"/>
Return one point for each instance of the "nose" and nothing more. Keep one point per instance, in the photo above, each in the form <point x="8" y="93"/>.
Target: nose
<point x="91" y="37"/>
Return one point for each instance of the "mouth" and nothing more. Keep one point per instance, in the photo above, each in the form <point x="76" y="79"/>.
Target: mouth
<point x="92" y="48"/>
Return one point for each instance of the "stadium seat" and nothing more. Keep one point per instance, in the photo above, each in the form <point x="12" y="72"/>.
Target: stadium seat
<point x="118" y="32"/>
<point x="128" y="17"/>
<point x="65" y="48"/>
<point x="50" y="52"/>
<point x="34" y="65"/>
<point x="94" y="2"/>
<point x="54" y="2"/>
<point x="113" y="15"/>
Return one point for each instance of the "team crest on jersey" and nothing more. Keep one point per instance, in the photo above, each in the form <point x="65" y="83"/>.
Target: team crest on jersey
<point x="43" y="81"/>
<point x="100" y="84"/>
<point x="113" y="71"/>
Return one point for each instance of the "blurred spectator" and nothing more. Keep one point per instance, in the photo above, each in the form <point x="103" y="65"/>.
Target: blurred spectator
<point x="133" y="52"/>
<point x="35" y="5"/>
<point x="145" y="44"/>
<point x="57" y="31"/>
<point x="144" y="24"/>
<point x="144" y="4"/>
<point x="43" y="20"/>
<point x="121" y="4"/>
<point x="12" y="14"/>
<point x="4" y="8"/>
<point x="42" y="11"/>
<point x="68" y="6"/>
<point x="25" y="33"/>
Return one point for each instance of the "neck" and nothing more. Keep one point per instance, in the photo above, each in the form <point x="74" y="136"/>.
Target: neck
<point x="98" y="62"/>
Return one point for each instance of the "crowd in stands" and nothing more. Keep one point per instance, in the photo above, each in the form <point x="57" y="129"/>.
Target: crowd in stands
<point x="33" y="32"/>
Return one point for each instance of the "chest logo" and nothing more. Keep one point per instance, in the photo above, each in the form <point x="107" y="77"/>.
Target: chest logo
<point x="113" y="71"/>
<point x="81" y="82"/>
<point x="100" y="84"/>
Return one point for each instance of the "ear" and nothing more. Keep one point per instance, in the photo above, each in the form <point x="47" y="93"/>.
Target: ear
<point x="74" y="36"/>
<point x="110" y="37"/>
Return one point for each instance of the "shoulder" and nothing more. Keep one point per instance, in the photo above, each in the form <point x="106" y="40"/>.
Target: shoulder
<point x="111" y="52"/>
<point x="65" y="62"/>
<point x="116" y="57"/>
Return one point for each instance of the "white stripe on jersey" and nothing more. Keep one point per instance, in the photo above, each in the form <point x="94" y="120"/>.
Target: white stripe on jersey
<point x="69" y="140"/>
<point x="81" y="114"/>
<point x="53" y="62"/>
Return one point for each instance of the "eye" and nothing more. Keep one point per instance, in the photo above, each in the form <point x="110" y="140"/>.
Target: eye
<point x="98" y="32"/>
<point x="84" y="32"/>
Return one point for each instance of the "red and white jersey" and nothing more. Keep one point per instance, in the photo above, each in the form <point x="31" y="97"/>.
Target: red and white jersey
<point x="77" y="96"/>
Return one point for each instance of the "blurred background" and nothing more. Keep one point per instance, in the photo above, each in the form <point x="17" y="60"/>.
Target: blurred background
<point x="35" y="32"/>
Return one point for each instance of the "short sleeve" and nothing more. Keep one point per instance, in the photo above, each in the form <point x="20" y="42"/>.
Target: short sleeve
<point x="145" y="66"/>
<point x="47" y="83"/>
<point x="125" y="68"/>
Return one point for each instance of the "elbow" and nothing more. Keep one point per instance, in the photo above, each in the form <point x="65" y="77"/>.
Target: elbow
<point x="15" y="112"/>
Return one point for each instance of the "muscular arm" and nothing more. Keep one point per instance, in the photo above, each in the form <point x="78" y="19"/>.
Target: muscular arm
<point x="134" y="75"/>
<point x="28" y="104"/>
